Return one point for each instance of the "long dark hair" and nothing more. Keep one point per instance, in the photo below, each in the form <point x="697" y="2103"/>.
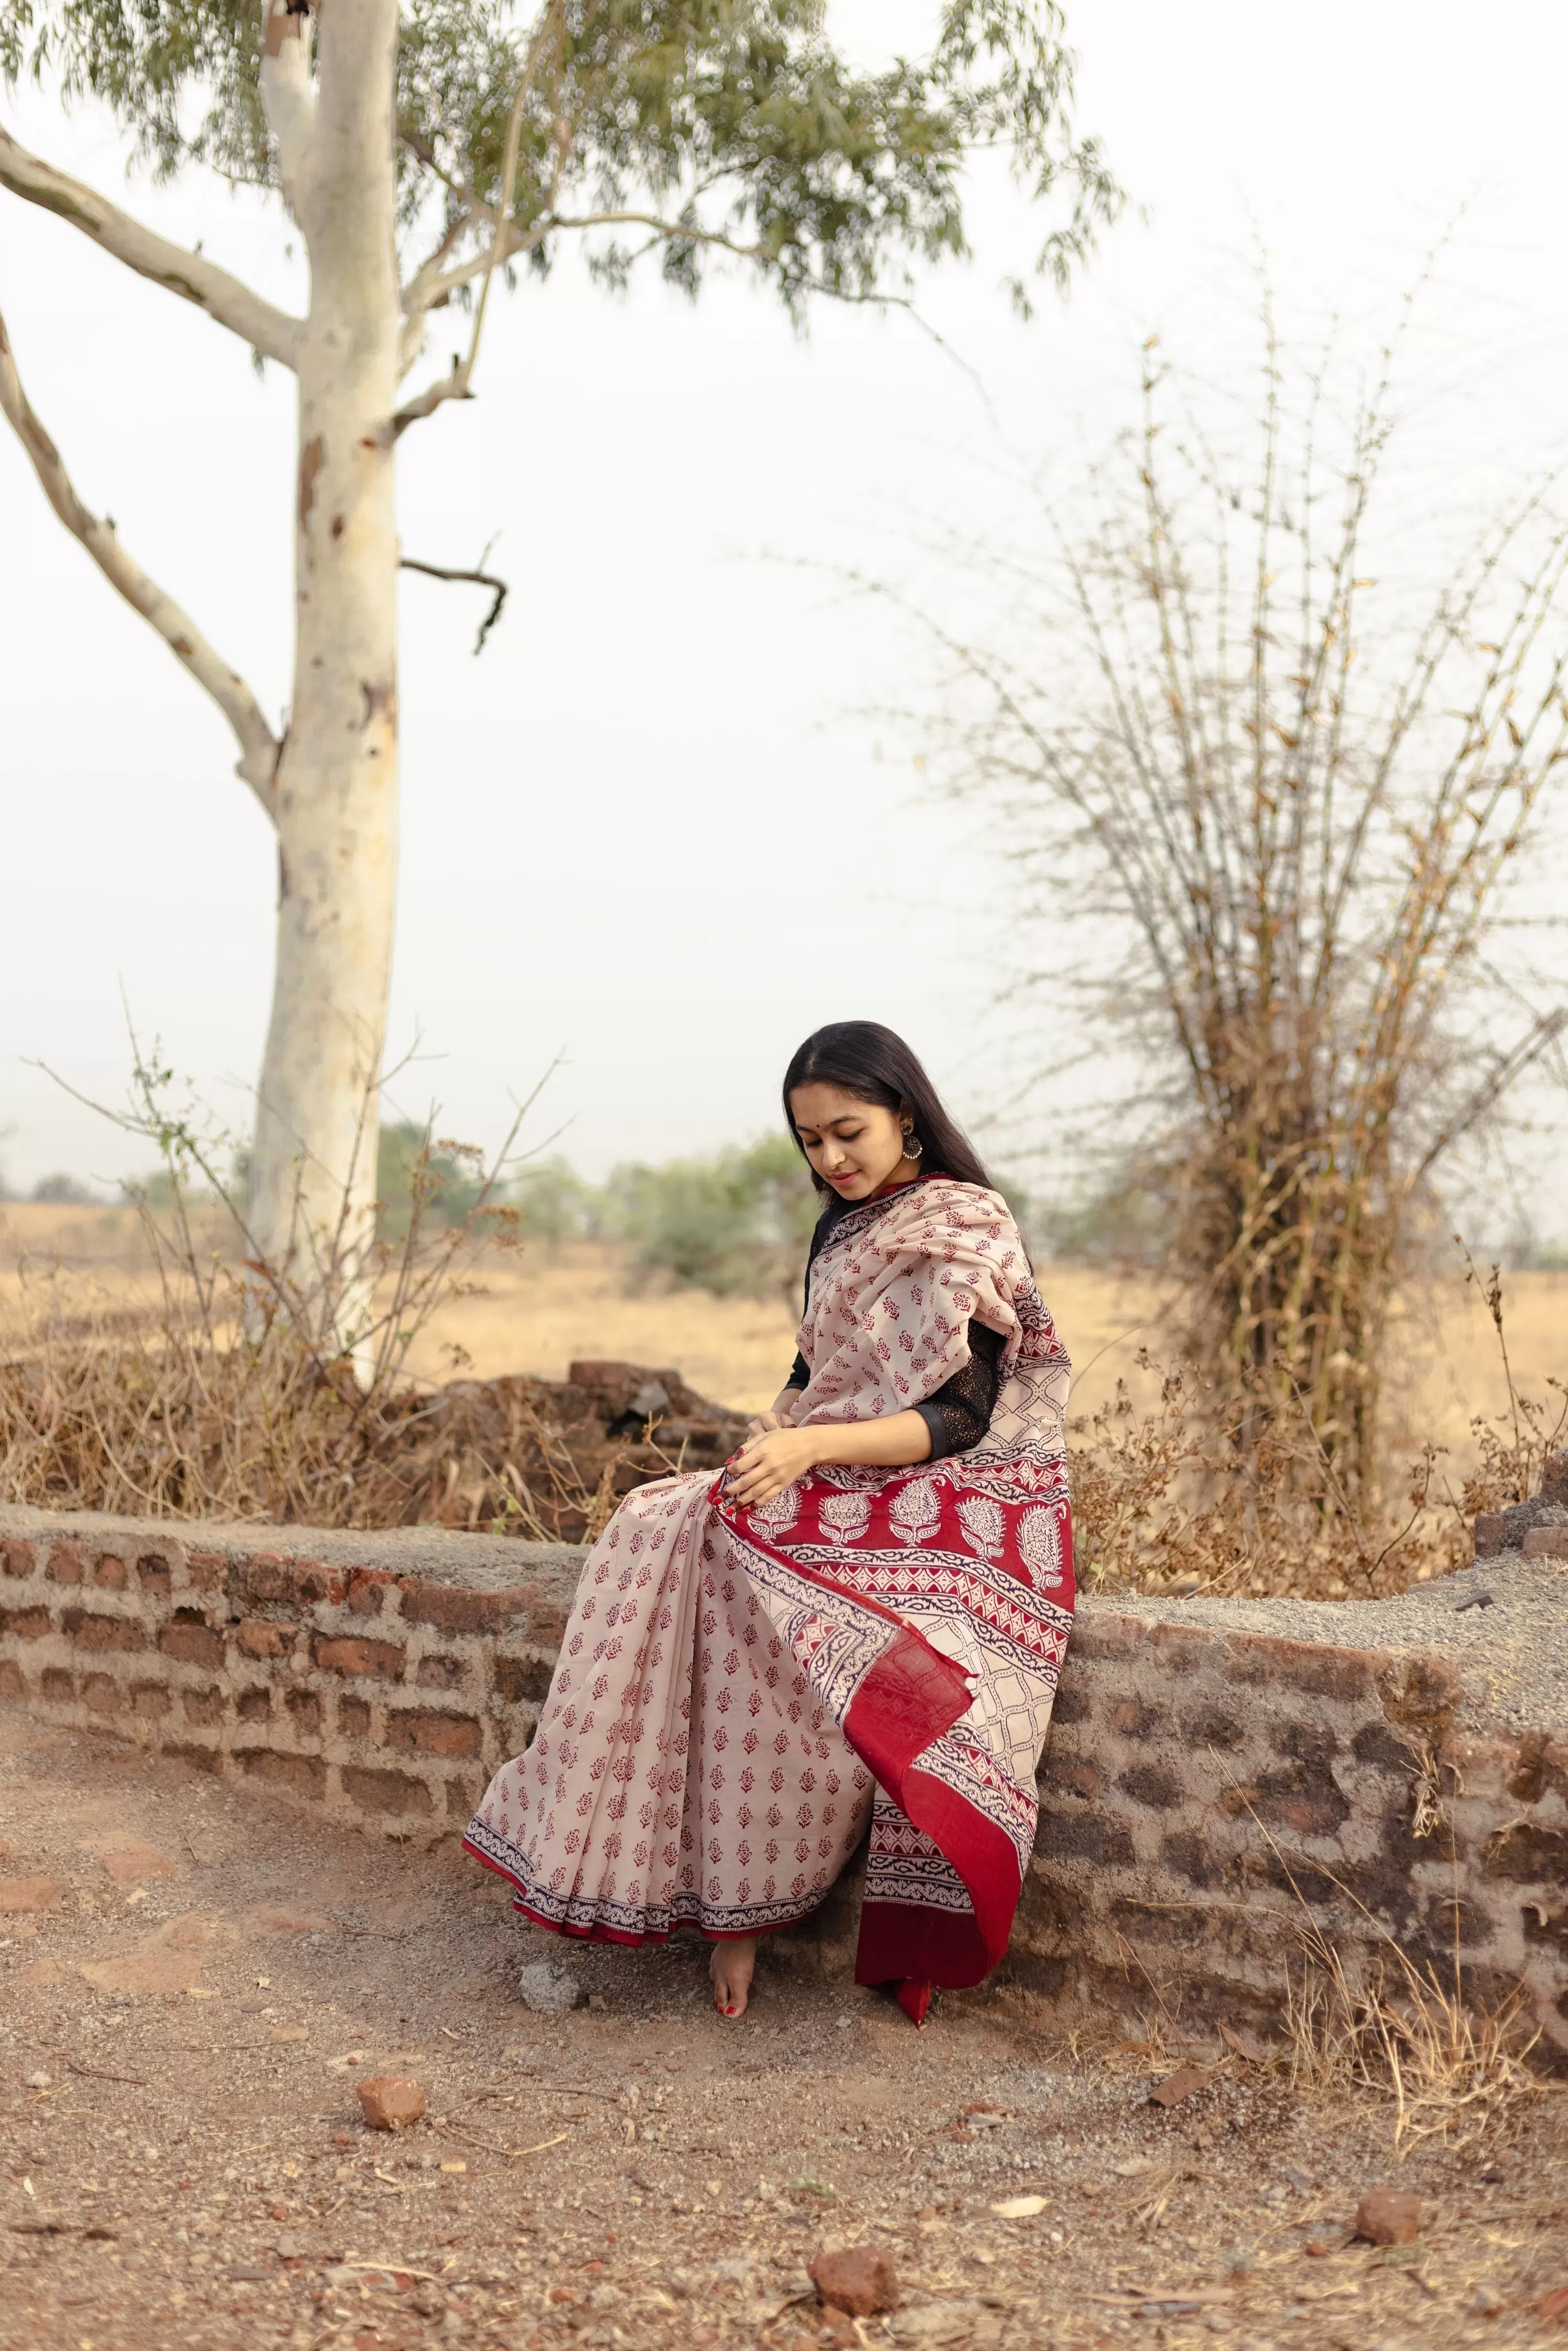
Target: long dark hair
<point x="869" y="1062"/>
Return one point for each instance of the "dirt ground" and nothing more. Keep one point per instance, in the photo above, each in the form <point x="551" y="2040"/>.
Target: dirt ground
<point x="185" y="2018"/>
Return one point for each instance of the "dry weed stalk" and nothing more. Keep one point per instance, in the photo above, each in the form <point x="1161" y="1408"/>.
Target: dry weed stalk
<point x="232" y="1394"/>
<point x="1451" y="2072"/>
<point x="1296" y="815"/>
<point x="1172" y="1498"/>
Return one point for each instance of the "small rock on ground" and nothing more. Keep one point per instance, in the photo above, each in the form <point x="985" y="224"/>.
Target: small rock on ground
<point x="388" y="2101"/>
<point x="1388" y="2216"/>
<point x="859" y="2281"/>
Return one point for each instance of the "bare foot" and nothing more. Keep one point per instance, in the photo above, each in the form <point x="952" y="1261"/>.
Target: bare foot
<point x="731" y="1969"/>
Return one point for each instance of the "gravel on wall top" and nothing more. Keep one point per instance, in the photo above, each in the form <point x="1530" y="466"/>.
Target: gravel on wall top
<point x="1510" y="1648"/>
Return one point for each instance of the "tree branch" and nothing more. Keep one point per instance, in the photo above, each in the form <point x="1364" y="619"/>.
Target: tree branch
<point x="258" y="746"/>
<point x="267" y="329"/>
<point x="478" y="578"/>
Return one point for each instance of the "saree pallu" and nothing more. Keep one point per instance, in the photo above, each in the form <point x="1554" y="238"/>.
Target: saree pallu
<point x="739" y="1690"/>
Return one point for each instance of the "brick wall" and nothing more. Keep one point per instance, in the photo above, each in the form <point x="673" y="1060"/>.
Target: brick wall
<point x="1217" y="1773"/>
<point x="1206" y="1792"/>
<point x="380" y="1678"/>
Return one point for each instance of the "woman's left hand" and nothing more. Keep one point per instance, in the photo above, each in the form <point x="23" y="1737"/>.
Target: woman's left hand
<point x="765" y="1465"/>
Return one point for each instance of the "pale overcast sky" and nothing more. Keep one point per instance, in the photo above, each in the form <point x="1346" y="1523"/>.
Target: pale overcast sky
<point x="646" y="828"/>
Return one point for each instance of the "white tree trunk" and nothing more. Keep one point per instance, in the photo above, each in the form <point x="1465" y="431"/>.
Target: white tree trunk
<point x="314" y="1160"/>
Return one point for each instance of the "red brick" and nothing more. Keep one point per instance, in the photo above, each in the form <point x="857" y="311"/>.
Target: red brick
<point x="200" y="1757"/>
<point x="1078" y="1777"/>
<point x="110" y="1574"/>
<point x="104" y="1694"/>
<point x="386" y="1791"/>
<point x="58" y="1685"/>
<point x="24" y="1623"/>
<point x="368" y="1590"/>
<point x="1418" y="1692"/>
<point x="1108" y="1637"/>
<point x="303" y="1581"/>
<point x="375" y="1661"/>
<point x="255" y="1705"/>
<point x="306" y="1708"/>
<point x="1184" y="1646"/>
<point x="1546" y="1543"/>
<point x="1324" y="1672"/>
<point x="520" y="1680"/>
<point x="193" y="1645"/>
<point x="353" y="1717"/>
<point x="90" y="1632"/>
<point x="453" y="1609"/>
<point x="150" y="1699"/>
<point x="205" y="1708"/>
<point x="433" y="1734"/>
<point x="1134" y="1719"/>
<point x="154" y="1575"/>
<point x="66" y="1564"/>
<point x="207" y="1571"/>
<point x="1148" y="1785"/>
<point x="16" y="1558"/>
<point x="463" y="1798"/>
<point x="257" y="1638"/>
<point x="12" y="1681"/>
<point x="437" y="1672"/>
<point x="299" y="1775"/>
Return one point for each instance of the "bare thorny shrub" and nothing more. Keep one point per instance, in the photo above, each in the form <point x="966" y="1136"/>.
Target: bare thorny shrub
<point x="1171" y="1497"/>
<point x="1297" y="812"/>
<point x="230" y="1396"/>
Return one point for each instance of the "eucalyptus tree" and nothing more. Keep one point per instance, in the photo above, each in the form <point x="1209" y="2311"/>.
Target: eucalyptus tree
<point x="420" y="149"/>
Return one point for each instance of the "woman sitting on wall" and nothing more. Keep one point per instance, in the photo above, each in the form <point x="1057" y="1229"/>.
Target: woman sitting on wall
<point x="863" y="1616"/>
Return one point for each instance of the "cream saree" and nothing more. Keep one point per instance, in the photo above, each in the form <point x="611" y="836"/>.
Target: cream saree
<point x="739" y="1690"/>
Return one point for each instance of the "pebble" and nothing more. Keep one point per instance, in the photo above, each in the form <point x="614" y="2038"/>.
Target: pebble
<point x="859" y="2281"/>
<point x="548" y="1990"/>
<point x="1181" y="2085"/>
<point x="388" y="2101"/>
<point x="38" y="2081"/>
<point x="1388" y="2216"/>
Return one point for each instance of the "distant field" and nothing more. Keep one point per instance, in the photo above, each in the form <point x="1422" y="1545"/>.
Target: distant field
<point x="542" y="1308"/>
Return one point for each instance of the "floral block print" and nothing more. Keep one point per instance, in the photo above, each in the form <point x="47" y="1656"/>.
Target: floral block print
<point x="740" y="1690"/>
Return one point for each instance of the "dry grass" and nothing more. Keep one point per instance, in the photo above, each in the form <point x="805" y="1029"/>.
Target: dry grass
<point x="135" y="1394"/>
<point x="539" y="1310"/>
<point x="1449" y="2068"/>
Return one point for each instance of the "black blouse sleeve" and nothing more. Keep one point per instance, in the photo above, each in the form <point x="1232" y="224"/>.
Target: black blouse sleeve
<point x="799" y="1374"/>
<point x="959" y="1414"/>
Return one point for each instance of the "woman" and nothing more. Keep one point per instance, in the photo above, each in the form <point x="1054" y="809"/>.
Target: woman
<point x="863" y="1618"/>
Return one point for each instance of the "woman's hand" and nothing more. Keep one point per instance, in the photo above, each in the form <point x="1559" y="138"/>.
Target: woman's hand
<point x="769" y="1461"/>
<point x="761" y="1422"/>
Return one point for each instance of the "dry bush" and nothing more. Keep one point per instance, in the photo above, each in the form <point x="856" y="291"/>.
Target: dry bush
<point x="1171" y="1498"/>
<point x="187" y="1410"/>
<point x="1274" y="805"/>
<point x="1451" y="2068"/>
<point x="232" y="1396"/>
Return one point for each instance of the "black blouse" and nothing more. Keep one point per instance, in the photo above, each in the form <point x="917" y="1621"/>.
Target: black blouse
<point x="959" y="1413"/>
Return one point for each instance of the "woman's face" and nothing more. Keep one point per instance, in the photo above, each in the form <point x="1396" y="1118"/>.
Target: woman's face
<point x="856" y="1147"/>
